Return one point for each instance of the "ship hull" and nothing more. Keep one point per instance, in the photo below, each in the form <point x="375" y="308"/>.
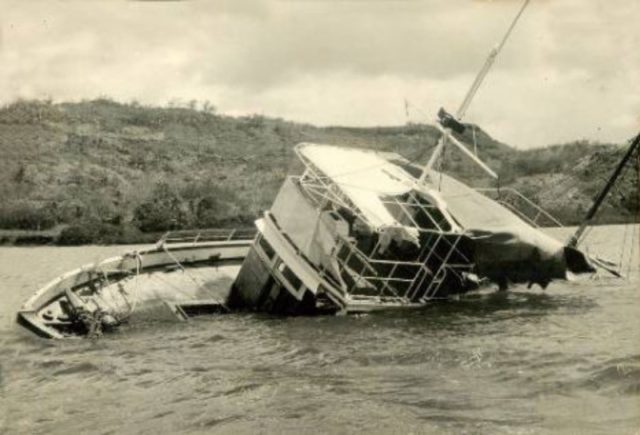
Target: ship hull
<point x="158" y="283"/>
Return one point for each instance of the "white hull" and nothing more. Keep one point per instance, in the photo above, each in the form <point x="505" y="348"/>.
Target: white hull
<point x="159" y="282"/>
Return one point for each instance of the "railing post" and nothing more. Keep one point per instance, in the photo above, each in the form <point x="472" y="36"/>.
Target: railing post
<point x="231" y="234"/>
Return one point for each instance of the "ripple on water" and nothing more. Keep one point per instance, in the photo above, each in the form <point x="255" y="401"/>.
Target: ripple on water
<point x="47" y="364"/>
<point x="84" y="367"/>
<point x="511" y="362"/>
<point x="210" y="423"/>
<point x="616" y="376"/>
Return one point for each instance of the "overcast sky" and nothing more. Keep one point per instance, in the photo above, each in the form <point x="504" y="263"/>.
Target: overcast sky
<point x="570" y="71"/>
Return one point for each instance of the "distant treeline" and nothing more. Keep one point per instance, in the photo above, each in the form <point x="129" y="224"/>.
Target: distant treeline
<point x="108" y="172"/>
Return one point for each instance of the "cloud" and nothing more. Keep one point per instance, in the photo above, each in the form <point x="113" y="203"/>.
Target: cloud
<point x="570" y="70"/>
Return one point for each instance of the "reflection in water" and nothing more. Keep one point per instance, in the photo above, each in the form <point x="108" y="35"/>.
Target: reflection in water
<point x="526" y="361"/>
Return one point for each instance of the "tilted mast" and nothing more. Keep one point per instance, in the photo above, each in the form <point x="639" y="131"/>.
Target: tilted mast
<point x="573" y="241"/>
<point x="446" y="130"/>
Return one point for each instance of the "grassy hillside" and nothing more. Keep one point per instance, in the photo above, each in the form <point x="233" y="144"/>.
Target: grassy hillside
<point x="110" y="172"/>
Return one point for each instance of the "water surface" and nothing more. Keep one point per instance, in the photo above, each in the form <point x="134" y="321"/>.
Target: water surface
<point x="564" y="360"/>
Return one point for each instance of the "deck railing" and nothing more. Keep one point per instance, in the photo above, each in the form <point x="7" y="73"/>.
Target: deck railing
<point x="207" y="235"/>
<point x="404" y="281"/>
<point x="522" y="206"/>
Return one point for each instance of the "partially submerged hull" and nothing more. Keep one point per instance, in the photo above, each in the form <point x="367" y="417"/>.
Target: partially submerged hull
<point x="161" y="282"/>
<point x="358" y="231"/>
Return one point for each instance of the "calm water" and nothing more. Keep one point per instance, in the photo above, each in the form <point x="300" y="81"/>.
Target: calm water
<point x="564" y="360"/>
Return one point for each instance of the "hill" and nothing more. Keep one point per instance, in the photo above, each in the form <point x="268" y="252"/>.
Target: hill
<point x="109" y="172"/>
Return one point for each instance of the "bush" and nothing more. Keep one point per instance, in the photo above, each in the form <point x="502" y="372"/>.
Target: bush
<point x="30" y="112"/>
<point x="33" y="240"/>
<point x="26" y="217"/>
<point x="161" y="212"/>
<point x="90" y="232"/>
<point x="75" y="235"/>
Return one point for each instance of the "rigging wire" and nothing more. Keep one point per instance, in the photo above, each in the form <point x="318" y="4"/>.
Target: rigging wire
<point x="634" y="246"/>
<point x="199" y="281"/>
<point x="136" y="291"/>
<point x="623" y="247"/>
<point x="635" y="235"/>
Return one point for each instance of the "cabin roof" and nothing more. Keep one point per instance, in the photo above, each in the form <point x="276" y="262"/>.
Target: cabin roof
<point x="476" y="211"/>
<point x="364" y="176"/>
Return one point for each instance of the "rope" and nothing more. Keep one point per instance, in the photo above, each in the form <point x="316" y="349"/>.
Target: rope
<point x="634" y="244"/>
<point x="132" y="307"/>
<point x="623" y="248"/>
<point x="635" y="229"/>
<point x="198" y="283"/>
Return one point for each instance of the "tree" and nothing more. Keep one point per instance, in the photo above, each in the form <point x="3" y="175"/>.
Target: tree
<point x="161" y="212"/>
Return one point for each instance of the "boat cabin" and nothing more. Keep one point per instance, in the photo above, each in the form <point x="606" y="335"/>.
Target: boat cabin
<point x="354" y="232"/>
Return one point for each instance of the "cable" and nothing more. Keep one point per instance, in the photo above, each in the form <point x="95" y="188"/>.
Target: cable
<point x="132" y="307"/>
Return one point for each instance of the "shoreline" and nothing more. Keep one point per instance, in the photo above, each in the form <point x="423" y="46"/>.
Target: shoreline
<point x="51" y="237"/>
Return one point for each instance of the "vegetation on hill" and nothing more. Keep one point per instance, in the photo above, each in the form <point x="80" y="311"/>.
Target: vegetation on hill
<point x="107" y="172"/>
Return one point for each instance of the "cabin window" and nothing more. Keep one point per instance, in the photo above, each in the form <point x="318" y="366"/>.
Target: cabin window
<point x="414" y="210"/>
<point x="266" y="248"/>
<point x="291" y="277"/>
<point x="442" y="221"/>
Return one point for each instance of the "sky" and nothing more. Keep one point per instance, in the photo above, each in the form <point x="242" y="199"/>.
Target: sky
<point x="571" y="69"/>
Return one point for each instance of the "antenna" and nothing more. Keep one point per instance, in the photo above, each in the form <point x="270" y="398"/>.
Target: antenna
<point x="462" y="110"/>
<point x="406" y="109"/>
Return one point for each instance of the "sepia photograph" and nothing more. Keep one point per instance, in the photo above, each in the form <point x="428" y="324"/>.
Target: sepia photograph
<point x="320" y="217"/>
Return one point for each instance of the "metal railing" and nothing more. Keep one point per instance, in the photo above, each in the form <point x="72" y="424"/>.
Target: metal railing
<point x="405" y="281"/>
<point x="522" y="206"/>
<point x="207" y="235"/>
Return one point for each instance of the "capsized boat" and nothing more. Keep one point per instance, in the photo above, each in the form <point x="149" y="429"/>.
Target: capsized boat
<point x="357" y="231"/>
<point x="184" y="274"/>
<point x="362" y="230"/>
